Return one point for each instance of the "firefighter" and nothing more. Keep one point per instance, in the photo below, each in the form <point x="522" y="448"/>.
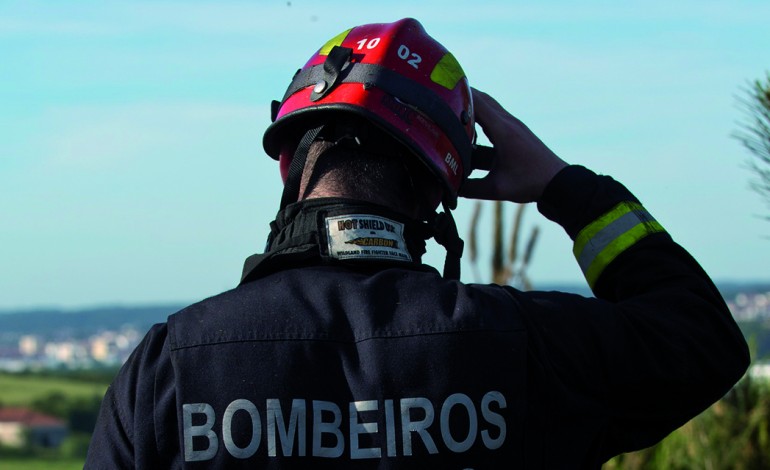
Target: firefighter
<point x="340" y="349"/>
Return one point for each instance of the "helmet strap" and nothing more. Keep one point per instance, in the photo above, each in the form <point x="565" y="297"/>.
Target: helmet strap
<point x="294" y="178"/>
<point x="335" y="62"/>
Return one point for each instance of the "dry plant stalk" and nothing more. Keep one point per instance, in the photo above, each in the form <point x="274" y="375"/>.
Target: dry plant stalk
<point x="506" y="268"/>
<point x="754" y="134"/>
<point x="473" y="240"/>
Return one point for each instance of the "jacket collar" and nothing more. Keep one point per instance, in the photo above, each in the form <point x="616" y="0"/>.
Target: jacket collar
<point x="339" y="231"/>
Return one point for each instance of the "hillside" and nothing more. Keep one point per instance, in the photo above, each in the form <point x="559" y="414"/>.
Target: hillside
<point x="78" y="324"/>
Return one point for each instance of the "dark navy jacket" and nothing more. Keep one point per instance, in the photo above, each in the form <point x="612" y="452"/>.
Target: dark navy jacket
<point x="315" y="364"/>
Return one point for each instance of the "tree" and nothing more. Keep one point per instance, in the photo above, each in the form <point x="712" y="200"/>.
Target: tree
<point x="755" y="134"/>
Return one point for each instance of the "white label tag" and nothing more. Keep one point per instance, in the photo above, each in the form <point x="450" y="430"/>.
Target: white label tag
<point x="364" y="236"/>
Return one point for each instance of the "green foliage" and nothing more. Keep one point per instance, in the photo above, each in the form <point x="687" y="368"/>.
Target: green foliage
<point x="23" y="452"/>
<point x="75" y="446"/>
<point x="80" y="412"/>
<point x="757" y="333"/>
<point x="47" y="463"/>
<point x="71" y="454"/>
<point x="734" y="433"/>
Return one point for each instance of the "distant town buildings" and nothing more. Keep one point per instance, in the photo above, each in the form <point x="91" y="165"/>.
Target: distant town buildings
<point x="750" y="306"/>
<point x="107" y="348"/>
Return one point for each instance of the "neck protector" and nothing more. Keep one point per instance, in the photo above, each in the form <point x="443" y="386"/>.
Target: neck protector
<point x="338" y="230"/>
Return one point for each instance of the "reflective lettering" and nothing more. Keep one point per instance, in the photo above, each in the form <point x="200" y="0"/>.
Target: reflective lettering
<point x="227" y="429"/>
<point x="296" y="426"/>
<point x="203" y="430"/>
<point x="473" y="424"/>
<point x="321" y="427"/>
<point x="390" y="428"/>
<point x="493" y="418"/>
<point x="285" y="431"/>
<point x="420" y="427"/>
<point x="357" y="428"/>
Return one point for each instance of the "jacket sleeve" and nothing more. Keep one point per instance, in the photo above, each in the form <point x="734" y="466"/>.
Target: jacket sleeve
<point x="655" y="347"/>
<point x="110" y="445"/>
<point x="140" y="398"/>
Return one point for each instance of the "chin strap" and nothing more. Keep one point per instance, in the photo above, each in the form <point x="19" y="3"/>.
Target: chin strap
<point x="294" y="177"/>
<point x="446" y="235"/>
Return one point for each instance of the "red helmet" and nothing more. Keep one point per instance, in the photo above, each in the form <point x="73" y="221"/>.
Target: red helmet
<point x="394" y="75"/>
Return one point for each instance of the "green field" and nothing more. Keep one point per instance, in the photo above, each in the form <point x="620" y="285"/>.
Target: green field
<point x="40" y="464"/>
<point x="22" y="390"/>
<point x="71" y="394"/>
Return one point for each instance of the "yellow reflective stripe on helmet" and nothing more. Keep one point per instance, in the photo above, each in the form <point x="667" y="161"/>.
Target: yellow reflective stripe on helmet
<point x="447" y="72"/>
<point x="335" y="41"/>
<point x="601" y="241"/>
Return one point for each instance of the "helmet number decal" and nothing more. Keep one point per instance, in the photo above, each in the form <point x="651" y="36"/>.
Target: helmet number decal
<point x="411" y="58"/>
<point x="369" y="43"/>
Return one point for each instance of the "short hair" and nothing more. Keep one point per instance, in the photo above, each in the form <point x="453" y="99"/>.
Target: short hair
<point x="385" y="173"/>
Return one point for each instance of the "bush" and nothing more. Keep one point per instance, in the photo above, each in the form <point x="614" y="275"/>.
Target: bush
<point x="75" y="446"/>
<point x="79" y="412"/>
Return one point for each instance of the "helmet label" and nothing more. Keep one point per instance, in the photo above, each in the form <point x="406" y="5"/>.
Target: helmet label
<point x="451" y="162"/>
<point x="366" y="236"/>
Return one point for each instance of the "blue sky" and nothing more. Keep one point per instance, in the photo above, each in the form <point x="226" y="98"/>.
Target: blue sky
<point x="131" y="167"/>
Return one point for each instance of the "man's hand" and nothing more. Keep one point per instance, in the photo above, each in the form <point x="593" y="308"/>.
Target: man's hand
<point x="524" y="165"/>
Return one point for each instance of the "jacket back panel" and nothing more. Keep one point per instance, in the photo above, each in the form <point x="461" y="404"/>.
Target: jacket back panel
<point x="337" y="367"/>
